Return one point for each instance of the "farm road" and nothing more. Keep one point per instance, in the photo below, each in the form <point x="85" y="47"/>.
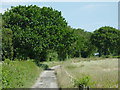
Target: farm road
<point x="47" y="79"/>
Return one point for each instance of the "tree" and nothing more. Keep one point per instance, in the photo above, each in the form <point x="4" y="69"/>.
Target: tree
<point x="7" y="45"/>
<point x="0" y="36"/>
<point x="37" y="30"/>
<point x="118" y="43"/>
<point x="82" y="47"/>
<point x="105" y="39"/>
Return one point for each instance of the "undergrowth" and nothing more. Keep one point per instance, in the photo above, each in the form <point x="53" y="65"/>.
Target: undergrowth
<point x="82" y="81"/>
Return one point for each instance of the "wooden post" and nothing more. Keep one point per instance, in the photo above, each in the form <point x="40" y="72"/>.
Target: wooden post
<point x="81" y="87"/>
<point x="87" y="87"/>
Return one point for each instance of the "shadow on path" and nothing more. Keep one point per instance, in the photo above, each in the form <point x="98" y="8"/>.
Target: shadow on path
<point x="47" y="79"/>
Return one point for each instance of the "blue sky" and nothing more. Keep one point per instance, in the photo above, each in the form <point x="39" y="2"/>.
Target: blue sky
<point x="86" y="15"/>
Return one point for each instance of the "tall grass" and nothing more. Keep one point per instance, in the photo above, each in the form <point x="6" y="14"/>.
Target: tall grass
<point x="64" y="81"/>
<point x="19" y="74"/>
<point x="103" y="73"/>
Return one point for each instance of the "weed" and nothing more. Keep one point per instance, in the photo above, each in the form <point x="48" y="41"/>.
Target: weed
<point x="7" y="61"/>
<point x="82" y="81"/>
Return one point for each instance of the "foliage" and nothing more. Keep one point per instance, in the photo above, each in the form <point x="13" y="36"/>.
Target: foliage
<point x="52" y="55"/>
<point x="36" y="30"/>
<point x="0" y="36"/>
<point x="119" y="43"/>
<point x="7" y="43"/>
<point x="82" y="47"/>
<point x="7" y="61"/>
<point x="19" y="74"/>
<point x="106" y="40"/>
<point x="84" y="80"/>
<point x="0" y="21"/>
<point x="31" y="31"/>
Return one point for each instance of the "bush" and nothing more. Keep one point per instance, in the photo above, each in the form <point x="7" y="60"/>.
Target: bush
<point x="83" y="81"/>
<point x="7" y="61"/>
<point x="7" y="43"/>
<point x="52" y="55"/>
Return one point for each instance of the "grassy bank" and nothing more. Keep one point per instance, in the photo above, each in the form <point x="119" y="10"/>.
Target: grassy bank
<point x="19" y="74"/>
<point x="102" y="73"/>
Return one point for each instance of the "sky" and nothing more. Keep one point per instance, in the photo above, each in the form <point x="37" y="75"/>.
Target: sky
<point x="85" y="15"/>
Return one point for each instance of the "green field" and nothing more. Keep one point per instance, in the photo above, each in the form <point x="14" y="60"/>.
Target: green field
<point x="102" y="73"/>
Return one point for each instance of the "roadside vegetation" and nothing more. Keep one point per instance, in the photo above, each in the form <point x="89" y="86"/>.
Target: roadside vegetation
<point x="99" y="73"/>
<point x="20" y="74"/>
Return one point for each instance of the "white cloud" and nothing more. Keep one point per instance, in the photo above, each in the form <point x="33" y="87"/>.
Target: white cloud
<point x="59" y="0"/>
<point x="92" y="7"/>
<point x="89" y="7"/>
<point x="43" y="6"/>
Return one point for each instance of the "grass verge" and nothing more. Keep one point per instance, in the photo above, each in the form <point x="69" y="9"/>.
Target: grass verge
<point x="19" y="74"/>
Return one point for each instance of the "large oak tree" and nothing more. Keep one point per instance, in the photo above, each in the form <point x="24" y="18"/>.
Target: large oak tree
<point x="36" y="30"/>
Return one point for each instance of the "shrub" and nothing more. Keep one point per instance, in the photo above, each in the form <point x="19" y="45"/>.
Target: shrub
<point x="51" y="55"/>
<point x="7" y="61"/>
<point x="83" y="81"/>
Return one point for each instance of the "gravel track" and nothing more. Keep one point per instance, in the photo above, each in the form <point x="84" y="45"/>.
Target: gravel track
<point x="47" y="79"/>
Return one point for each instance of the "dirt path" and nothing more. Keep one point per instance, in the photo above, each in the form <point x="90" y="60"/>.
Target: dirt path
<point x="47" y="79"/>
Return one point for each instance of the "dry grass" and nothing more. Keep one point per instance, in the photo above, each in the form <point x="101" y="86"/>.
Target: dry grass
<point x="103" y="73"/>
<point x="63" y="80"/>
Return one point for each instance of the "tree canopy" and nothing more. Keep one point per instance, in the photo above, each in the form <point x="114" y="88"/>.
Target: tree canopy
<point x="106" y="40"/>
<point x="44" y="34"/>
<point x="82" y="47"/>
<point x="36" y="30"/>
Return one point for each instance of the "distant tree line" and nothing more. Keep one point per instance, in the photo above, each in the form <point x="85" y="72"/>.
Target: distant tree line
<point x="43" y="34"/>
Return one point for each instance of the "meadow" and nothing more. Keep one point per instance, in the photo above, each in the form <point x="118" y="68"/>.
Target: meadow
<point x="103" y="73"/>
